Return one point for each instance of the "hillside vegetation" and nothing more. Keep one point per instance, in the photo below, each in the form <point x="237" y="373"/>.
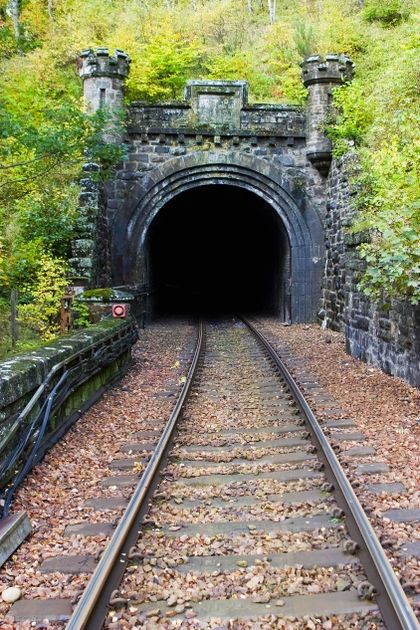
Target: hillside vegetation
<point x="44" y="134"/>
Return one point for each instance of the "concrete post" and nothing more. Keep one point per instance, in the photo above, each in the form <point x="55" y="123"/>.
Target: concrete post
<point x="320" y="77"/>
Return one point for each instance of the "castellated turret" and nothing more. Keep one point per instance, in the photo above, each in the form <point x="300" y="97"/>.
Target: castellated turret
<point x="320" y="77"/>
<point x="103" y="78"/>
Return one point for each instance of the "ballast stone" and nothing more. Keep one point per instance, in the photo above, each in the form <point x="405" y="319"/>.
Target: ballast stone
<point x="11" y="594"/>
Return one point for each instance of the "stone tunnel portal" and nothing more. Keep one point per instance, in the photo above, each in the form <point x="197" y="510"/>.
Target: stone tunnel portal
<point x="219" y="248"/>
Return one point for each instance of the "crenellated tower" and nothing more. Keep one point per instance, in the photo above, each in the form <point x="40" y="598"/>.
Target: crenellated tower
<point x="103" y="78"/>
<point x="320" y="77"/>
<point x="103" y="87"/>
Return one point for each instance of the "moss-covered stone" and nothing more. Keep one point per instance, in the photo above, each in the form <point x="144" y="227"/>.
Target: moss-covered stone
<point x="21" y="375"/>
<point x="107" y="294"/>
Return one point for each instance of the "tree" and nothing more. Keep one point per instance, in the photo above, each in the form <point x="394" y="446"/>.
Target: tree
<point x="168" y="60"/>
<point x="272" y="6"/>
<point x="13" y="10"/>
<point x="41" y="313"/>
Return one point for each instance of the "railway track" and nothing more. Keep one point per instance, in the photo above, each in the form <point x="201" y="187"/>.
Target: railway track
<point x="243" y="517"/>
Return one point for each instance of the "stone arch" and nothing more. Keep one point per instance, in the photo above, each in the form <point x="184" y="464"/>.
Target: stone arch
<point x="284" y="194"/>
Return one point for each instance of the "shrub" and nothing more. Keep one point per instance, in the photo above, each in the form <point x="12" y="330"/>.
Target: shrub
<point x="386" y="12"/>
<point x="41" y="314"/>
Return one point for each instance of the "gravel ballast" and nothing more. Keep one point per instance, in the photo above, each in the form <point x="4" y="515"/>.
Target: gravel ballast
<point x="385" y="410"/>
<point x="58" y="492"/>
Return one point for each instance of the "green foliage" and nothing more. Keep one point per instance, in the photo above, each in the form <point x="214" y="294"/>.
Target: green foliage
<point x="235" y="66"/>
<point x="304" y="38"/>
<point x="49" y="218"/>
<point x="44" y="134"/>
<point x="28" y="339"/>
<point x="47" y="289"/>
<point x="165" y="65"/>
<point x="81" y="314"/>
<point x="387" y="12"/>
<point x="379" y="114"/>
<point x="44" y="137"/>
<point x="393" y="256"/>
<point x="101" y="294"/>
<point x="96" y="147"/>
<point x="104" y="294"/>
<point x="389" y="209"/>
<point x="18" y="269"/>
<point x="282" y="60"/>
<point x="356" y="116"/>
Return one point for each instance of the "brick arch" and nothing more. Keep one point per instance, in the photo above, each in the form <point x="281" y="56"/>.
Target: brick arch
<point x="159" y="186"/>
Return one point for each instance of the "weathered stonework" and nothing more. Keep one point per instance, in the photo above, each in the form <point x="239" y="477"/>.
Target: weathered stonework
<point x="279" y="153"/>
<point x="103" y="78"/>
<point x="89" y="217"/>
<point x="338" y="256"/>
<point x="103" y="87"/>
<point x="320" y="77"/>
<point x="388" y="338"/>
<point x="215" y="137"/>
<point x="77" y="368"/>
<point x="21" y="375"/>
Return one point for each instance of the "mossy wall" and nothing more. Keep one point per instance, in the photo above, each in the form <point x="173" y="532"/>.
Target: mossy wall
<point x="21" y="376"/>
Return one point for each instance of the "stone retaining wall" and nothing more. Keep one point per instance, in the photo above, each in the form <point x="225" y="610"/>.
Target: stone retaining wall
<point x="20" y="376"/>
<point x="388" y="338"/>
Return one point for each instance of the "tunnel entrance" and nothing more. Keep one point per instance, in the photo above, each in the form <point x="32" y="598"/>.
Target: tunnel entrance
<point x="217" y="249"/>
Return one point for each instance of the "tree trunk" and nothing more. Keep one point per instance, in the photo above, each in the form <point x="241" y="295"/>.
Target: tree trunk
<point x="272" y="10"/>
<point x="51" y="9"/>
<point x="14" y="326"/>
<point x="13" y="11"/>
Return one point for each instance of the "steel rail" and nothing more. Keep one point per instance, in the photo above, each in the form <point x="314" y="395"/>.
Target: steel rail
<point x="91" y="609"/>
<point x="392" y="601"/>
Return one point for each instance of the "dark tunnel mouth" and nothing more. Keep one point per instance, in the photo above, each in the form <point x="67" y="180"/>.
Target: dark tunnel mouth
<point x="217" y="249"/>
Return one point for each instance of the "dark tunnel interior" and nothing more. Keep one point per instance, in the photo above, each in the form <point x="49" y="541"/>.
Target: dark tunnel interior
<point x="218" y="249"/>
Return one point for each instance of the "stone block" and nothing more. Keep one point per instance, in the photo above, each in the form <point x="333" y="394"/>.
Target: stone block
<point x="38" y="611"/>
<point x="69" y="564"/>
<point x="13" y="531"/>
<point x="113" y="204"/>
<point x="162" y="149"/>
<point x="285" y="160"/>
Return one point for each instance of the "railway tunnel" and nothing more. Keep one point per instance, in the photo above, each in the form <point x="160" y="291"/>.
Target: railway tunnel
<point x="219" y="249"/>
<point x="215" y="233"/>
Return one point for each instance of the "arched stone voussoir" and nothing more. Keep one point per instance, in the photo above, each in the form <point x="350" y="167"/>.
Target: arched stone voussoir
<point x="163" y="175"/>
<point x="233" y="168"/>
<point x="133" y="194"/>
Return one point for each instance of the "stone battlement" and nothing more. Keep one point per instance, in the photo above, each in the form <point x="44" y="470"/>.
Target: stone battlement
<point x="101" y="63"/>
<point x="220" y="106"/>
<point x="334" y="69"/>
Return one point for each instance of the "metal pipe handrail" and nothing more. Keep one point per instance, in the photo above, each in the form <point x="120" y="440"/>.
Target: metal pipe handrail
<point x="31" y="443"/>
<point x="83" y="615"/>
<point x="56" y="368"/>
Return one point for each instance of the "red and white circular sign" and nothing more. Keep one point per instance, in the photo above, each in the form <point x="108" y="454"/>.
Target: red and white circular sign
<point x="119" y="310"/>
